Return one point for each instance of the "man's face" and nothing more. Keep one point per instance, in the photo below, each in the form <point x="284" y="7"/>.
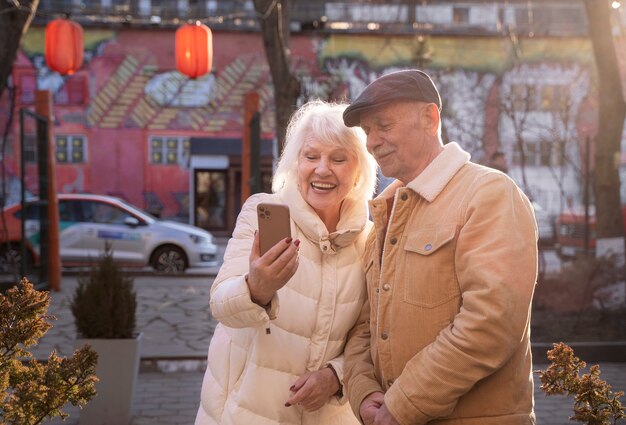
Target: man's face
<point x="396" y="137"/>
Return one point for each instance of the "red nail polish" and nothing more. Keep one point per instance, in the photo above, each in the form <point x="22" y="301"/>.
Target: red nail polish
<point x="287" y="405"/>
<point x="288" y="240"/>
<point x="297" y="242"/>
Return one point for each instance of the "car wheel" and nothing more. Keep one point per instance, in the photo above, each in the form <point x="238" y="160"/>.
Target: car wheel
<point x="169" y="259"/>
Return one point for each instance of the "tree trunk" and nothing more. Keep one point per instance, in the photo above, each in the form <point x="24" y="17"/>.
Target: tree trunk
<point x="275" y="29"/>
<point x="609" y="222"/>
<point x="14" y="21"/>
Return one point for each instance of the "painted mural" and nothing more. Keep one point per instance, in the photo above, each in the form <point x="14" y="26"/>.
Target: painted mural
<point x="122" y="123"/>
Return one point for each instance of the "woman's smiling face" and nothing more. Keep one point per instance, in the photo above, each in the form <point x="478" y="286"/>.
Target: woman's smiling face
<point x="326" y="175"/>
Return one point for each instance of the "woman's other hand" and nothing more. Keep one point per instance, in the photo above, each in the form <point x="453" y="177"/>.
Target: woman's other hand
<point x="270" y="272"/>
<point x="313" y="389"/>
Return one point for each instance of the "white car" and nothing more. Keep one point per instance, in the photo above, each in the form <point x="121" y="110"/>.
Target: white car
<point x="87" y="222"/>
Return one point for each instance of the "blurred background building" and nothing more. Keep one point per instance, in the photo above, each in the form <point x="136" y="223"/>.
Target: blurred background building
<point x="517" y="80"/>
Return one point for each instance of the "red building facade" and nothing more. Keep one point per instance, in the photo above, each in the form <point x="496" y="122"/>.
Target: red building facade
<point x="124" y="123"/>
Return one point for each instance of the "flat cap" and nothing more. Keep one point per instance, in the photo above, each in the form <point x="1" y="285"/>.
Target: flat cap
<point x="407" y="85"/>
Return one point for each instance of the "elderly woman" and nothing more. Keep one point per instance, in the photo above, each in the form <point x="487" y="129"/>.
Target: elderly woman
<point x="276" y="355"/>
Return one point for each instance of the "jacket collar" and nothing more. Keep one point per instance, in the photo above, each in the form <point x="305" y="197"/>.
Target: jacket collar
<point x="435" y="176"/>
<point x="438" y="173"/>
<point x="352" y="221"/>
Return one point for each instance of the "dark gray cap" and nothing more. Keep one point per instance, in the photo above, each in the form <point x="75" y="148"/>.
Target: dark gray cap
<point x="408" y="85"/>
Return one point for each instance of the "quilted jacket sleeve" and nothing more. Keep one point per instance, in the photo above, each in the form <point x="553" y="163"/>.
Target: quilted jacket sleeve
<point x="231" y="303"/>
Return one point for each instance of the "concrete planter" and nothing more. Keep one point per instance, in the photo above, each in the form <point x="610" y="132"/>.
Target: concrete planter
<point x="117" y="369"/>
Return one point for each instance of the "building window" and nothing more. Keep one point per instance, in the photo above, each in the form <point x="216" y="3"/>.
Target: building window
<point x="524" y="98"/>
<point x="530" y="98"/>
<point x="555" y="98"/>
<point x="535" y="154"/>
<point x="547" y="98"/>
<point x="460" y="15"/>
<point x="169" y="150"/>
<point x="71" y="149"/>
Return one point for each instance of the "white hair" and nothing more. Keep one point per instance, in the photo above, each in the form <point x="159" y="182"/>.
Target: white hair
<point x="323" y="121"/>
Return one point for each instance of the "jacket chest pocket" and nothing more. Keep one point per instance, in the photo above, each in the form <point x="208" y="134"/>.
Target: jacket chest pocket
<point x="429" y="278"/>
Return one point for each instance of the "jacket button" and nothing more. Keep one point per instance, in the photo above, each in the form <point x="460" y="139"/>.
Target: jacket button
<point x="428" y="247"/>
<point x="386" y="286"/>
<point x="404" y="196"/>
<point x="384" y="335"/>
<point x="393" y="241"/>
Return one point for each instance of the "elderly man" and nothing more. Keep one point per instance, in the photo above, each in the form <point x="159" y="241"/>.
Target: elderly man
<point x="451" y="266"/>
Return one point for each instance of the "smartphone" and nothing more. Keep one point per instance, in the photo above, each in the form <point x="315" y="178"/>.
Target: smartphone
<point x="274" y="224"/>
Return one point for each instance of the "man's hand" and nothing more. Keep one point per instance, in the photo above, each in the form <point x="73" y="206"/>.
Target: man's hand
<point x="384" y="417"/>
<point x="270" y="272"/>
<point x="313" y="389"/>
<point x="370" y="407"/>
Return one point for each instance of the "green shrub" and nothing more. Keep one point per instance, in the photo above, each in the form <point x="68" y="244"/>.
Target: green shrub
<point x="104" y="303"/>
<point x="29" y="390"/>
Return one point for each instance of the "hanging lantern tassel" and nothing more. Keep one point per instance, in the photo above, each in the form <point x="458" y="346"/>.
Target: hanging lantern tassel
<point x="64" y="46"/>
<point x="194" y="50"/>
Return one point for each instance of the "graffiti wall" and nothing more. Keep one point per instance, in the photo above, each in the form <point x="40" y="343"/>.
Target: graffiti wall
<point x="122" y="123"/>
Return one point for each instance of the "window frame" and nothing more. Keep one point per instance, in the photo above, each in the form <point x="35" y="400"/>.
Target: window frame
<point x="69" y="148"/>
<point x="172" y="150"/>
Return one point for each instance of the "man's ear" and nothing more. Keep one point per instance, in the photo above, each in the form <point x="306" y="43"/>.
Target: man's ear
<point x="431" y="117"/>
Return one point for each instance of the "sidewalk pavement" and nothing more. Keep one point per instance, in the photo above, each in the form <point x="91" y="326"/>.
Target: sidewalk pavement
<point x="174" y="317"/>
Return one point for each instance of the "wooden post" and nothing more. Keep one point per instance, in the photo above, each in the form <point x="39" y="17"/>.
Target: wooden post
<point x="251" y="106"/>
<point x="43" y="107"/>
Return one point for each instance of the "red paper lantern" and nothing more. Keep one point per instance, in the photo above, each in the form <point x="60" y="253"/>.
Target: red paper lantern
<point x="194" y="50"/>
<point x="64" y="46"/>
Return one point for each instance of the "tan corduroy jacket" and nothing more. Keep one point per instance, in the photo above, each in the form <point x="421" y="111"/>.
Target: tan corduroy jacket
<point x="450" y="275"/>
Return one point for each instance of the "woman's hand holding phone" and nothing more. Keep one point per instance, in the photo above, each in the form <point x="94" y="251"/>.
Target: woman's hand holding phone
<point x="271" y="271"/>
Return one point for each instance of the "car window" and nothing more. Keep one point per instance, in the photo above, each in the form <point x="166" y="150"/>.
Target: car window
<point x="32" y="212"/>
<point x="101" y="212"/>
<point x="67" y="211"/>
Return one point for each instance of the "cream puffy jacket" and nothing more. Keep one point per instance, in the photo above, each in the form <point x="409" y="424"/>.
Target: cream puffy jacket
<point x="255" y="355"/>
<point x="450" y="276"/>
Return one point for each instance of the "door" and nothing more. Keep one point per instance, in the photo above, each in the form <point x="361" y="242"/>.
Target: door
<point x="210" y="195"/>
